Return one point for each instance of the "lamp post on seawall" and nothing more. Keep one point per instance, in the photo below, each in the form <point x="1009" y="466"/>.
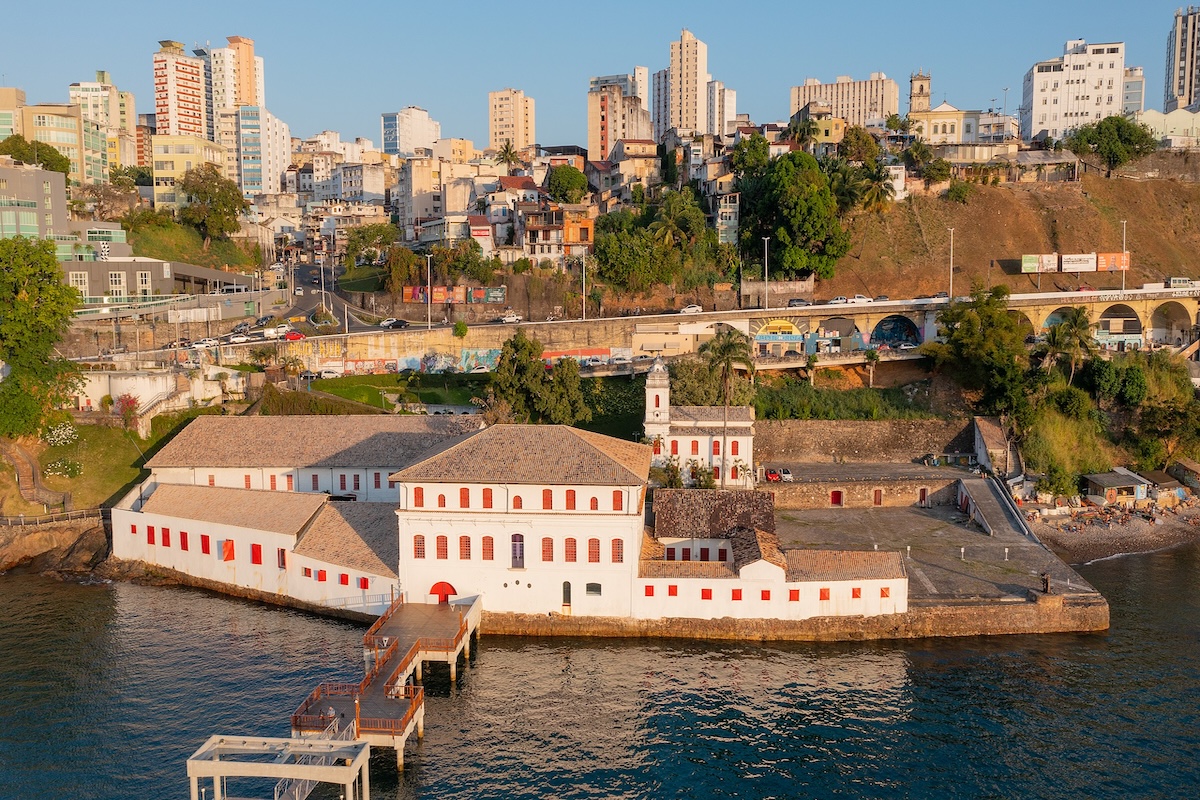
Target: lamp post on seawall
<point x="951" y="263"/>
<point x="585" y="287"/>
<point x="766" y="280"/>
<point x="1124" y="251"/>
<point x="1004" y="120"/>
<point x="429" y="290"/>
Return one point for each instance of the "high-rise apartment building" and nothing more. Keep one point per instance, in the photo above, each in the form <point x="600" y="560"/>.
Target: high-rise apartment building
<point x="181" y="92"/>
<point x="257" y="148"/>
<point x="722" y="108"/>
<point x="615" y="111"/>
<point x="857" y="102"/>
<point x="234" y="76"/>
<point x="687" y="78"/>
<point x="61" y="126"/>
<point x="113" y="111"/>
<point x="1182" y="84"/>
<point x="660" y="110"/>
<point x="173" y="157"/>
<point x="511" y="119"/>
<point x="1087" y="83"/>
<point x="408" y="129"/>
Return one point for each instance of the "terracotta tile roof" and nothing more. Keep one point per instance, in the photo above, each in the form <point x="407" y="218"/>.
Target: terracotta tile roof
<point x="517" y="182"/>
<point x="277" y="512"/>
<point x="313" y="441"/>
<point x="750" y="545"/>
<point x="710" y="513"/>
<point x="738" y="429"/>
<point x="362" y="536"/>
<point x="711" y="413"/>
<point x="684" y="569"/>
<point x="477" y="220"/>
<point x="536" y="454"/>
<point x="843" y="565"/>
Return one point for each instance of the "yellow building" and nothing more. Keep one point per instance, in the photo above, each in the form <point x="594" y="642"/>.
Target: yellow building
<point x="62" y="126"/>
<point x="174" y="156"/>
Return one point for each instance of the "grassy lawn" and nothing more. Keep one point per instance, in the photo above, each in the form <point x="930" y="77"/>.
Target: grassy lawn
<point x="181" y="243"/>
<point x="364" y="279"/>
<point x="430" y="389"/>
<point x="111" y="459"/>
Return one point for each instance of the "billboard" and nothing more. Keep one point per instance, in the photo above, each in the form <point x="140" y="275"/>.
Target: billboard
<point x="1079" y="262"/>
<point x="1048" y="262"/>
<point x="457" y="294"/>
<point x="1112" y="262"/>
<point x="1029" y="264"/>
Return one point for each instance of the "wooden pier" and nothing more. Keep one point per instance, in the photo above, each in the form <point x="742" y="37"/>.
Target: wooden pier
<point x="388" y="704"/>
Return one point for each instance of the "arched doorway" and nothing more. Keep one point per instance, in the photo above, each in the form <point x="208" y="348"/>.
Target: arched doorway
<point x="566" y="593"/>
<point x="1171" y="324"/>
<point x="894" y="331"/>
<point x="1056" y="316"/>
<point x="443" y="591"/>
<point x="1119" y="327"/>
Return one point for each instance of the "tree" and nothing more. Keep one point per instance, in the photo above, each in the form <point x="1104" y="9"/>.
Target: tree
<point x="872" y="357"/>
<point x="214" y="202"/>
<point x="508" y="156"/>
<point x="896" y="123"/>
<point x="564" y="403"/>
<point x="141" y="176"/>
<point x="858" y="145"/>
<point x="35" y="313"/>
<point x="802" y="131"/>
<point x="750" y="157"/>
<point x="1116" y="140"/>
<point x="1133" y="385"/>
<point x="936" y="171"/>
<point x="959" y="192"/>
<point x="847" y="183"/>
<point x="725" y="352"/>
<point x="566" y="184"/>
<point x="521" y="384"/>
<point x="918" y="155"/>
<point x="879" y="192"/>
<point x="35" y="153"/>
<point x="364" y="238"/>
<point x="403" y="268"/>
<point x="679" y="219"/>
<point x="1077" y="337"/>
<point x="801" y="216"/>
<point x="1104" y="379"/>
<point x="460" y="329"/>
<point x="109" y="200"/>
<point x="669" y="166"/>
<point x="1172" y="423"/>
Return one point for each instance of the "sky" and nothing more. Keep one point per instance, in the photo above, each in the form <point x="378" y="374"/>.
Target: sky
<point x="338" y="67"/>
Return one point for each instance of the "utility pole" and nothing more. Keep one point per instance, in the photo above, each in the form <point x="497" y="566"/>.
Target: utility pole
<point x="766" y="280"/>
<point x="1124" y="256"/>
<point x="585" y="287"/>
<point x="429" y="290"/>
<point x="951" y="263"/>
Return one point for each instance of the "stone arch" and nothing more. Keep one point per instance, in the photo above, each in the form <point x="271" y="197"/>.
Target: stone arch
<point x="1120" y="326"/>
<point x="1024" y="323"/>
<point x="1054" y="317"/>
<point x="895" y="330"/>
<point x="1171" y="324"/>
<point x="443" y="591"/>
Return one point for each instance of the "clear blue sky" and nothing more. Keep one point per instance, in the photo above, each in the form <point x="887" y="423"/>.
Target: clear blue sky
<point x="338" y="66"/>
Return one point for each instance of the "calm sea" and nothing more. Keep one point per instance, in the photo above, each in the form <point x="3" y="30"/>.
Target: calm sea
<point x="105" y="691"/>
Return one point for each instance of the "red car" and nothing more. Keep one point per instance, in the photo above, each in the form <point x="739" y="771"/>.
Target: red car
<point x="294" y="336"/>
<point x="773" y="475"/>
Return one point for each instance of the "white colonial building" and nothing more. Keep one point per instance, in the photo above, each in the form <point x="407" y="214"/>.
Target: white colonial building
<point x="696" y="437"/>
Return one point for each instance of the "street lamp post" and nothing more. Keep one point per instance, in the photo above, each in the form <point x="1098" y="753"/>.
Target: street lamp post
<point x="766" y="280"/>
<point x="1005" y="120"/>
<point x="951" y="263"/>
<point x="585" y="287"/>
<point x="429" y="290"/>
<point x="1124" y="252"/>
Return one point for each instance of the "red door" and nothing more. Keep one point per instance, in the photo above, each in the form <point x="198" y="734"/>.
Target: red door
<point x="835" y="498"/>
<point x="443" y="591"/>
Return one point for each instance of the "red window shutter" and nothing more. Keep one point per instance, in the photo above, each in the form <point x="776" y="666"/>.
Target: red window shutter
<point x="212" y="480"/>
<point x="706" y="594"/>
<point x="618" y="551"/>
<point x="547" y="498"/>
<point x="321" y="575"/>
<point x="569" y="551"/>
<point x="570" y="499"/>
<point x="856" y="593"/>
<point x="418" y="546"/>
<point x="593" y="551"/>
<point x="686" y="552"/>
<point x="246" y="480"/>
<point x="672" y="591"/>
<point x="737" y="594"/>
<point x="183" y="540"/>
<point x="595" y="505"/>
<point x="547" y="549"/>
<point x="657" y="447"/>
<point x="464" y="497"/>
<point x="488" y="548"/>
<point x="364" y="583"/>
<point x="344" y="579"/>
<point x="418" y="497"/>
<point x="487" y="498"/>
<point x="291" y="483"/>
<point x="670" y="554"/>
<point x="281" y="558"/>
<point x="149" y="534"/>
<point x="227" y="550"/>
<point x="657" y="400"/>
<point x="674" y="447"/>
<point x="722" y="555"/>
<point x="716" y="473"/>
<point x="766" y="594"/>
<point x="166" y="537"/>
<point x="824" y="593"/>
<point x="205" y="544"/>
<point x="256" y="554"/>
<point x="464" y="548"/>
<point x="885" y="591"/>
<point x="378" y="480"/>
<point x="649" y="590"/>
<point x="733" y="448"/>
<point x="133" y="529"/>
<point x="307" y="572"/>
<point x="733" y="473"/>
<point x="716" y="447"/>
<point x="316" y="483"/>
<point x="618" y="500"/>
<point x="443" y="547"/>
<point x="356" y="481"/>
<point x="517" y="503"/>
<point x="704" y="554"/>
<point x="272" y="483"/>
<point x="793" y="595"/>
<point x="342" y="481"/>
<point x="695" y="447"/>
<point x="441" y="501"/>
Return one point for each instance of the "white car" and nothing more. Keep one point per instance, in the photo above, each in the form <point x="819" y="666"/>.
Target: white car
<point x="592" y="361"/>
<point x="387" y="322"/>
<point x="330" y="373"/>
<point x="479" y="369"/>
<point x="840" y="300"/>
<point x="785" y="475"/>
<point x="692" y="309"/>
<point x="239" y="338"/>
<point x="620" y="360"/>
<point x="204" y="344"/>
<point x="859" y="299"/>
<point x="907" y="346"/>
<point x="510" y="318"/>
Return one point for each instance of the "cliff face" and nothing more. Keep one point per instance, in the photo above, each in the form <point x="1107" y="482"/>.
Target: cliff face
<point x="63" y="547"/>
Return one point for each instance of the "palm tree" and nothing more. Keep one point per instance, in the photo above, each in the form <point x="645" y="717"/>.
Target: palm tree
<point x="507" y="155"/>
<point x="879" y="191"/>
<point x="1077" y="333"/>
<point x="918" y="154"/>
<point x="872" y="357"/>
<point x="802" y="131"/>
<point x="725" y="352"/>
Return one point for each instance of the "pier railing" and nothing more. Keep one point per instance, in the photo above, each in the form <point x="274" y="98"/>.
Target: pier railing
<point x="371" y="637"/>
<point x="415" y="695"/>
<point x="305" y="719"/>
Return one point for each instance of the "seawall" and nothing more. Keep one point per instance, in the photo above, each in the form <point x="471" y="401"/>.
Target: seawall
<point x="75" y="546"/>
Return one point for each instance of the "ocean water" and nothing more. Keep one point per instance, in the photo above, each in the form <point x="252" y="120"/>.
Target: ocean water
<point x="105" y="691"/>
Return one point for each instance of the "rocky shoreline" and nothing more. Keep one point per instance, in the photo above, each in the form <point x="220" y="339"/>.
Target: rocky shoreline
<point x="1082" y="544"/>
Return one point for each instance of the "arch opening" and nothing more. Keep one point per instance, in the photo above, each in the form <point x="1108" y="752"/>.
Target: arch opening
<point x="895" y="330"/>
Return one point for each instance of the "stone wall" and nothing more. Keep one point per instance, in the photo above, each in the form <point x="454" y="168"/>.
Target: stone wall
<point x="75" y="546"/>
<point x="816" y="441"/>
<point x="1085" y="614"/>
<point x="894" y="494"/>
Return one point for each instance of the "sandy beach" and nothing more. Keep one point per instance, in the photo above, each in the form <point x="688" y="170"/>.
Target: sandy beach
<point x="1079" y="543"/>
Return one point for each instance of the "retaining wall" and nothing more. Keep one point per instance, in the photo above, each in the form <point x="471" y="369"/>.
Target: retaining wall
<point x="893" y="441"/>
<point x="893" y="494"/>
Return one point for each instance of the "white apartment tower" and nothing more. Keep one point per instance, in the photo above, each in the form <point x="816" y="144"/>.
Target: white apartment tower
<point x="1182" y="84"/>
<point x="722" y="108"/>
<point x="616" y="109"/>
<point x="511" y="119"/>
<point x="660" y="112"/>
<point x="406" y="131"/>
<point x="181" y="100"/>
<point x="1087" y="83"/>
<point x="234" y="77"/>
<point x="688" y="76"/>
<point x="113" y="111"/>
<point x="857" y="102"/>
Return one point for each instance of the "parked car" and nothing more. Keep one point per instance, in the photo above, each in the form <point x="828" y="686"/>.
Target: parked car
<point x="798" y="302"/>
<point x="308" y="375"/>
<point x="881" y="298"/>
<point x="239" y="338"/>
<point x="479" y="369"/>
<point x="858" y="299"/>
<point x="261" y="321"/>
<point x="510" y="318"/>
<point x="114" y="350"/>
<point x="640" y="359"/>
<point x="691" y="309"/>
<point x="840" y="300"/>
<point x="907" y="346"/>
<point x="592" y="361"/>
<point x="620" y="360"/>
<point x="785" y="475"/>
<point x="177" y="344"/>
<point x="205" y="343"/>
<point x="396" y="324"/>
<point x="294" y="336"/>
<point x="241" y="327"/>
<point x="791" y="354"/>
<point x="773" y="475"/>
<point x="941" y="295"/>
<point x="330" y="373"/>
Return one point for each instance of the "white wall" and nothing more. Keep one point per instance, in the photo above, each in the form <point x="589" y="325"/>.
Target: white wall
<point x="329" y="479"/>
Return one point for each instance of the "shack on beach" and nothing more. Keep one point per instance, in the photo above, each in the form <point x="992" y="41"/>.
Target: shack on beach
<point x="1186" y="471"/>
<point x="1163" y="489"/>
<point x="1118" y="487"/>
